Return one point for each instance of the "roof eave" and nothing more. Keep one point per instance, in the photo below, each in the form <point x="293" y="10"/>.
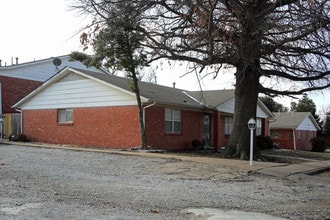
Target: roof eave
<point x="265" y="109"/>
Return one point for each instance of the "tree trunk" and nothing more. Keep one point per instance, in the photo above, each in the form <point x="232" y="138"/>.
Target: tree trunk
<point x="247" y="82"/>
<point x="246" y="96"/>
<point x="138" y="99"/>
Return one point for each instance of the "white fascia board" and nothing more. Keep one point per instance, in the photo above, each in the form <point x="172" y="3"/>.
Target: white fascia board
<point x="265" y="109"/>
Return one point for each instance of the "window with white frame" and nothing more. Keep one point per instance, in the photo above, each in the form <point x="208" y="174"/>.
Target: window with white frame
<point x="172" y="120"/>
<point x="65" y="115"/>
<point x="258" y="126"/>
<point x="228" y="125"/>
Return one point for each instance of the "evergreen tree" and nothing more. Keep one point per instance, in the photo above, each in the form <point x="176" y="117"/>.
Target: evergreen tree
<point x="326" y="126"/>
<point x="306" y="104"/>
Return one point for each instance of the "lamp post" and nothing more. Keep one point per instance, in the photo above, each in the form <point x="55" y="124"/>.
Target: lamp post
<point x="252" y="126"/>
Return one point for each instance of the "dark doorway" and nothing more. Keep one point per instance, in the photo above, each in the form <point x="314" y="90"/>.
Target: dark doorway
<point x="207" y="130"/>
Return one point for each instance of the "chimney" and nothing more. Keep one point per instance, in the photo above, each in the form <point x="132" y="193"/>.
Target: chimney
<point x="0" y="63"/>
<point x="173" y="84"/>
<point x="16" y="60"/>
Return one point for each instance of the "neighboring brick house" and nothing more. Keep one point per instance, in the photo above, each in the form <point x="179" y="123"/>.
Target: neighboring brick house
<point x="293" y="130"/>
<point x="85" y="108"/>
<point x="18" y="80"/>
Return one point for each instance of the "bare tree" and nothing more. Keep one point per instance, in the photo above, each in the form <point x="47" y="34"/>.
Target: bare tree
<point x="282" y="40"/>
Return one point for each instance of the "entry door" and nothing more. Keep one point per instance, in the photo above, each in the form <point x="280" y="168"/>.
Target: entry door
<point x="207" y="130"/>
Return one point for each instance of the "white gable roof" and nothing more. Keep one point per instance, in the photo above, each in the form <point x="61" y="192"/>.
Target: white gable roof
<point x="41" y="70"/>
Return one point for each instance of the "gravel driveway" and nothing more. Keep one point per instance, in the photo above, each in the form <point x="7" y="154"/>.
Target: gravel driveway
<point x="40" y="183"/>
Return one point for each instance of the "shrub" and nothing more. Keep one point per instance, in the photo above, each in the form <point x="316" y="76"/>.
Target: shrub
<point x="196" y="144"/>
<point x="318" y="144"/>
<point x="22" y="138"/>
<point x="264" y="143"/>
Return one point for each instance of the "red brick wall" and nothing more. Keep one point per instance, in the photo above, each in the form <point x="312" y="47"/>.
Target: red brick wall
<point x="304" y="142"/>
<point x="265" y="127"/>
<point x="219" y="137"/>
<point x="13" y="90"/>
<point x="284" y="137"/>
<point x="192" y="128"/>
<point x="116" y="127"/>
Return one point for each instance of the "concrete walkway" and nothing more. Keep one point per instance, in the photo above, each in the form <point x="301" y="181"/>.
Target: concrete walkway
<point x="298" y="168"/>
<point x="269" y="168"/>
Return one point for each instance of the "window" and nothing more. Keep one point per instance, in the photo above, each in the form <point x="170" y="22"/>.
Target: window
<point x="172" y="121"/>
<point x="258" y="126"/>
<point x="228" y="125"/>
<point x="299" y="135"/>
<point x="65" y="115"/>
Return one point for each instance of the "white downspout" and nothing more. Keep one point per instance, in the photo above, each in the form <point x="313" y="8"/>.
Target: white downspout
<point x="294" y="139"/>
<point x="144" y="113"/>
<point x="20" y="111"/>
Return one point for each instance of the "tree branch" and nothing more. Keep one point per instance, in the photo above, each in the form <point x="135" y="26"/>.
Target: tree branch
<point x="271" y="92"/>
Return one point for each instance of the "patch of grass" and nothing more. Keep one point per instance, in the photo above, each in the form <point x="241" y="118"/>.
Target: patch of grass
<point x="298" y="153"/>
<point x="321" y="155"/>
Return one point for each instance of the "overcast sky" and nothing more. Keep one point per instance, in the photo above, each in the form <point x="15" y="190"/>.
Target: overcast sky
<point x="39" y="29"/>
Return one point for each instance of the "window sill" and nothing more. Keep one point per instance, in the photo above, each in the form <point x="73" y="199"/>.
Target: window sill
<point x="65" y="123"/>
<point x="173" y="134"/>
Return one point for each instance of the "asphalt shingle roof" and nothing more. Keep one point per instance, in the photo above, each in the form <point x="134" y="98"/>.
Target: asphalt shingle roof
<point x="41" y="70"/>
<point x="288" y="119"/>
<point x="213" y="98"/>
<point x="153" y="92"/>
<point x="209" y="99"/>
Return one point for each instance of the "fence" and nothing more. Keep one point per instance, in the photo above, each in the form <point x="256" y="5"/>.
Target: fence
<point x="11" y="124"/>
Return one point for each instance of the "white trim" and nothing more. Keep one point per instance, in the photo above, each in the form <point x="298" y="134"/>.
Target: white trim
<point x="144" y="113"/>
